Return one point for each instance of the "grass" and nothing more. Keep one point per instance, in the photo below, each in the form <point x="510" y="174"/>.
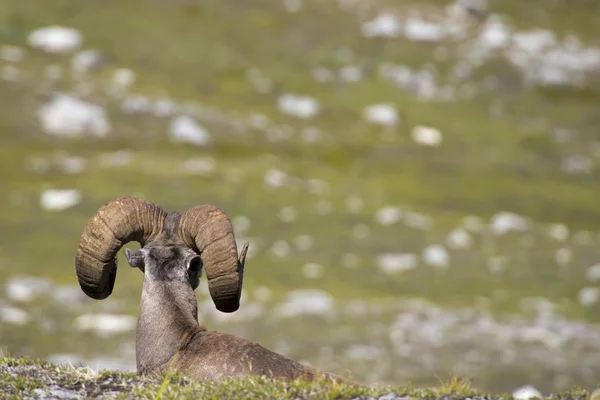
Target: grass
<point x="201" y="53"/>
<point x="21" y="376"/>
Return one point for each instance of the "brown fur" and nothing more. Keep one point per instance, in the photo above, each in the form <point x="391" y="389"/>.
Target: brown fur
<point x="168" y="333"/>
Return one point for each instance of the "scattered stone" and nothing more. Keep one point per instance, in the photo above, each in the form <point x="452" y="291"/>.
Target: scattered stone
<point x="59" y="200"/>
<point x="86" y="60"/>
<point x="384" y="25"/>
<point x="426" y="136"/>
<point x="526" y="392"/>
<point x="184" y="129"/>
<point x="588" y="296"/>
<point x="55" y="39"/>
<point x="392" y="263"/>
<point x="303" y="107"/>
<point x="12" y="54"/>
<point x="105" y="324"/>
<point x="436" y="255"/>
<point x="381" y="114"/>
<point x="26" y="288"/>
<point x="306" y="302"/>
<point x="13" y="315"/>
<point x="69" y="116"/>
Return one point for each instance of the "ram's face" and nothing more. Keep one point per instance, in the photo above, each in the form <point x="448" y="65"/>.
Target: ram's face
<point x="167" y="263"/>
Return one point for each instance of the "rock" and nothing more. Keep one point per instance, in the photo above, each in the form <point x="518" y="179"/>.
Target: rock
<point x="384" y="25"/>
<point x="59" y="200"/>
<point x="55" y="39"/>
<point x="69" y="116"/>
<point x="105" y="324"/>
<point x="436" y="255"/>
<point x="526" y="392"/>
<point x="184" y="129"/>
<point x="396" y="262"/>
<point x="426" y="136"/>
<point x="303" y="107"/>
<point x="381" y="114"/>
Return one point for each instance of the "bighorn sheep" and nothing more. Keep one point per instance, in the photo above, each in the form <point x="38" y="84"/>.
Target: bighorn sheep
<point x="174" y="250"/>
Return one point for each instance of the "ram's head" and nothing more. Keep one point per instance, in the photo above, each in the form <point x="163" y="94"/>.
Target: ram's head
<point x="205" y="229"/>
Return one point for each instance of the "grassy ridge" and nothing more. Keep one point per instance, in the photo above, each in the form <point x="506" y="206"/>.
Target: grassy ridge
<point x="22" y="377"/>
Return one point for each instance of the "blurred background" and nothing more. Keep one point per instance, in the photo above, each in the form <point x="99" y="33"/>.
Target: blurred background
<point x="418" y="180"/>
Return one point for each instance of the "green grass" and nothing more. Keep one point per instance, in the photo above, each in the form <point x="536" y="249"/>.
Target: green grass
<point x="200" y="52"/>
<point x="177" y="386"/>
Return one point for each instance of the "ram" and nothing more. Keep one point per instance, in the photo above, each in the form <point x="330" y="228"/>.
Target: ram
<point x="175" y="248"/>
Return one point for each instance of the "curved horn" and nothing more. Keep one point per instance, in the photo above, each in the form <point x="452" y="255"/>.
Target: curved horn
<point x="116" y="223"/>
<point x="207" y="229"/>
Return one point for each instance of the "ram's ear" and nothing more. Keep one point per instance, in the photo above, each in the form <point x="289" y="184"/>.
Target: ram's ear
<point x="135" y="258"/>
<point x="194" y="269"/>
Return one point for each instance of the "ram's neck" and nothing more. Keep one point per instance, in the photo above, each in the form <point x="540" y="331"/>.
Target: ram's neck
<point x="168" y="316"/>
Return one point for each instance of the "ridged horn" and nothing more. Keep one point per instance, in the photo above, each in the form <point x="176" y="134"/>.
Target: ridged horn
<point x="207" y="229"/>
<point x="115" y="224"/>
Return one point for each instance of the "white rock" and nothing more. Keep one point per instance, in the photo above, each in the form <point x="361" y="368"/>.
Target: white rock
<point x="436" y="255"/>
<point x="25" y="288"/>
<point x="494" y="34"/>
<point x="559" y="232"/>
<point x="59" y="200"/>
<point x="292" y="5"/>
<point x="66" y="115"/>
<point x="312" y="270"/>
<point x="119" y="158"/>
<point x="384" y="25"/>
<point x="350" y="73"/>
<point x="55" y="39"/>
<point x="281" y="248"/>
<point x="534" y="40"/>
<point x="13" y="315"/>
<point x="105" y="324"/>
<point x="391" y="263"/>
<point x="423" y="31"/>
<point x="418" y="221"/>
<point x="381" y="114"/>
<point x="275" y="178"/>
<point x="12" y="54"/>
<point x="72" y="164"/>
<point x="287" y="214"/>
<point x="306" y="302"/>
<point x="10" y="73"/>
<point x="164" y="107"/>
<point x="504" y="222"/>
<point x="459" y="238"/>
<point x="388" y="215"/>
<point x="199" y="166"/>
<point x="592" y="273"/>
<point x="85" y="60"/>
<point x="563" y="256"/>
<point x="426" y="136"/>
<point x="299" y="106"/>
<point x="526" y="392"/>
<point x="322" y="74"/>
<point x="588" y="296"/>
<point x="304" y="242"/>
<point x="124" y="77"/>
<point x="184" y="129"/>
